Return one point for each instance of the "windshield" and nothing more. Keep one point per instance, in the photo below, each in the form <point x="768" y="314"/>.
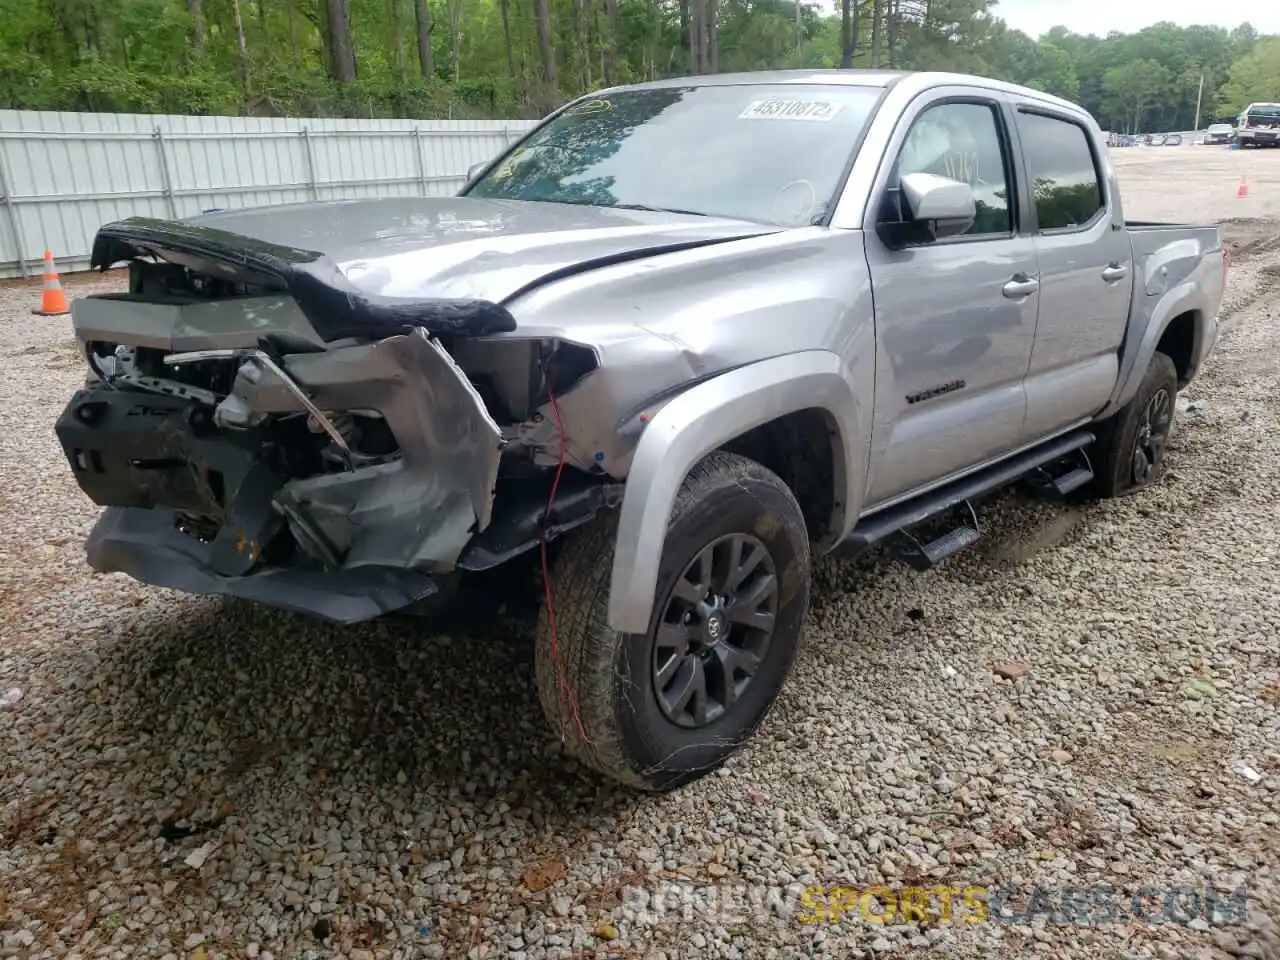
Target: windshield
<point x="1269" y="113"/>
<point x="769" y="153"/>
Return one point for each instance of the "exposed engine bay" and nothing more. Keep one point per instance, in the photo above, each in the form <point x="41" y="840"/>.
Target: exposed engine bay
<point x="239" y="452"/>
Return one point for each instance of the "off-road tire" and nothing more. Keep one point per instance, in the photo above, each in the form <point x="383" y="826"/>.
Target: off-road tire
<point x="1114" y="450"/>
<point x="597" y="686"/>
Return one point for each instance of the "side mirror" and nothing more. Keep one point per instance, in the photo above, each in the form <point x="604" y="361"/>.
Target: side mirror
<point x="935" y="208"/>
<point x="476" y="169"/>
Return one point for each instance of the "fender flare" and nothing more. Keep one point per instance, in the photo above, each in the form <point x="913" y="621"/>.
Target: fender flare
<point x="1184" y="298"/>
<point x="702" y="419"/>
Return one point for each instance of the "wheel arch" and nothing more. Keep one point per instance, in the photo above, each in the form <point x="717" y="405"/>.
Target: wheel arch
<point x="1178" y="323"/>
<point x="733" y="411"/>
<point x="1179" y="342"/>
<point x="806" y="450"/>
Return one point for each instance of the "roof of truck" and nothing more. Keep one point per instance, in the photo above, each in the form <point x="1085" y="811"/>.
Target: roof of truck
<point x="844" y="78"/>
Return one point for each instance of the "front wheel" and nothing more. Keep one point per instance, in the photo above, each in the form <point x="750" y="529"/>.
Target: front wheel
<point x="658" y="710"/>
<point x="1132" y="443"/>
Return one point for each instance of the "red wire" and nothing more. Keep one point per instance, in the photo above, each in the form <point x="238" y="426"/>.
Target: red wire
<point x="561" y="679"/>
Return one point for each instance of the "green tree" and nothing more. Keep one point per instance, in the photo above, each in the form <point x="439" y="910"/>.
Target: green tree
<point x="1252" y="78"/>
<point x="1133" y="88"/>
<point x="1045" y="65"/>
<point x="461" y="58"/>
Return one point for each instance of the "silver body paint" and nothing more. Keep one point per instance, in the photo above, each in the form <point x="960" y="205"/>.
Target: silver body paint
<point x="710" y="341"/>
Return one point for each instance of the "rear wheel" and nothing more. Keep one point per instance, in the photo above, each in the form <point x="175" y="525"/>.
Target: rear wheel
<point x="1132" y="444"/>
<point x="658" y="710"/>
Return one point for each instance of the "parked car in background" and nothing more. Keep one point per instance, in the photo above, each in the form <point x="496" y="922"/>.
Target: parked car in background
<point x="1219" y="133"/>
<point x="669" y="393"/>
<point x="1259" y="125"/>
<point x="1172" y="140"/>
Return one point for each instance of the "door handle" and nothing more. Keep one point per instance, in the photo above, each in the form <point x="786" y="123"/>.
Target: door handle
<point x="1115" y="271"/>
<point x="1020" y="286"/>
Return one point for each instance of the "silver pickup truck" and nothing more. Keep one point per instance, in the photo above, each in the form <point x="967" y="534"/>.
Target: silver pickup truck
<point x="672" y="345"/>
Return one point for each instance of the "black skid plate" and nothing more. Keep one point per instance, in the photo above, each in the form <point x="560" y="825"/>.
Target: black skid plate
<point x="132" y="449"/>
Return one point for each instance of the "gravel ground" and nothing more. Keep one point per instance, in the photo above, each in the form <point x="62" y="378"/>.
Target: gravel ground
<point x="196" y="778"/>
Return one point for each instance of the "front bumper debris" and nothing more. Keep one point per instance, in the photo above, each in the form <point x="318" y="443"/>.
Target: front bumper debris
<point x="146" y="545"/>
<point x="360" y="542"/>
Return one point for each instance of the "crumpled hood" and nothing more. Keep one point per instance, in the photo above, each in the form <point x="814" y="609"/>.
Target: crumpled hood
<point x="465" y="248"/>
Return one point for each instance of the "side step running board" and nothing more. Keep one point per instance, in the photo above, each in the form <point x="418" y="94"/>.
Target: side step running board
<point x="884" y="523"/>
<point x="1070" y="476"/>
<point x="923" y="555"/>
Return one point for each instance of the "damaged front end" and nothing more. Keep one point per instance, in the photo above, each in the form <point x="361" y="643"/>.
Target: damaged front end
<point x="255" y="428"/>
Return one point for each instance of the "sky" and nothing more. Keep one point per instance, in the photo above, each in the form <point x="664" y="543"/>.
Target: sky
<point x="1035" y="17"/>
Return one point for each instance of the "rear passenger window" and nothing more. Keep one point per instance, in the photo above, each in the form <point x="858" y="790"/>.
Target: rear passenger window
<point x="1064" y="176"/>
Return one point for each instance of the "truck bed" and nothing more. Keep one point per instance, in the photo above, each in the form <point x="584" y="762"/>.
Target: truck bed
<point x="1167" y="253"/>
<point x="1179" y="268"/>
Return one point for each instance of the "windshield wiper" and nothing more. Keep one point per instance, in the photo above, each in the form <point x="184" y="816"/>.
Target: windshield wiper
<point x="649" y="209"/>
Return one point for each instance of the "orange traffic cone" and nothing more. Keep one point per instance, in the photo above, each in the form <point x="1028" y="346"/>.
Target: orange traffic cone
<point x="1242" y="191"/>
<point x="54" y="302"/>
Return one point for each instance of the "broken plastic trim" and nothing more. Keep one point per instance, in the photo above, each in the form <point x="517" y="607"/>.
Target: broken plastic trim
<point x="335" y="307"/>
<point x="147" y="546"/>
<point x="263" y="359"/>
<point x="522" y="519"/>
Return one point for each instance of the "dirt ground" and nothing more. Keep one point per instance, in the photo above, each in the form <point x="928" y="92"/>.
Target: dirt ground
<point x="186" y="778"/>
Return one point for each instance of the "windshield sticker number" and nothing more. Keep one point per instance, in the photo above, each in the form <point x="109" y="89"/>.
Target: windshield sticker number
<point x="819" y="110"/>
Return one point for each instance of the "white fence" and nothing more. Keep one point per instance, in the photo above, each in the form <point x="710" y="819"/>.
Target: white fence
<point x="62" y="175"/>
